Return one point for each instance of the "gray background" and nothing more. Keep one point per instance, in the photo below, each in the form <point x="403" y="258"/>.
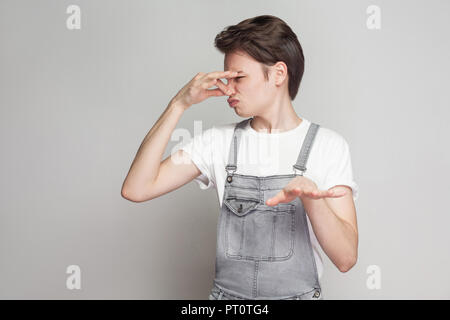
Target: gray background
<point x="76" y="104"/>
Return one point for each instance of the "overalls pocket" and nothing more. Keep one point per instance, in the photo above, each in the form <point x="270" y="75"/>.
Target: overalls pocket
<point x="241" y="206"/>
<point x="256" y="231"/>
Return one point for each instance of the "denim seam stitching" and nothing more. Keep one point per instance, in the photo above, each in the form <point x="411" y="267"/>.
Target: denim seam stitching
<point x="255" y="279"/>
<point x="239" y="256"/>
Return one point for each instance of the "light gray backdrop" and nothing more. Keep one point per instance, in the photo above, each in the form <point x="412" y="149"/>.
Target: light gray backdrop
<point x="76" y="104"/>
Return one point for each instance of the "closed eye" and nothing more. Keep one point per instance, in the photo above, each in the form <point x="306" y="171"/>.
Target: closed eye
<point x="236" y="78"/>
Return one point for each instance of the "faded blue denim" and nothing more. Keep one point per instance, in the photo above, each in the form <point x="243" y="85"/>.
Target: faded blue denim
<point x="263" y="252"/>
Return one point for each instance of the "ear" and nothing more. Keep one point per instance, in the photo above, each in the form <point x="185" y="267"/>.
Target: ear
<point x="280" y="72"/>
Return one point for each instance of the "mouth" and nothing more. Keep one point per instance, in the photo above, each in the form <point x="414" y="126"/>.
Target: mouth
<point x="233" y="102"/>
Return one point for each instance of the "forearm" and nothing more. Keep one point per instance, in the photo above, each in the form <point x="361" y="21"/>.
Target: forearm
<point x="145" y="166"/>
<point x="337" y="237"/>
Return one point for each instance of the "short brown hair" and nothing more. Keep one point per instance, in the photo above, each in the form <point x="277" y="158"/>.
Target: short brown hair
<point x="267" y="39"/>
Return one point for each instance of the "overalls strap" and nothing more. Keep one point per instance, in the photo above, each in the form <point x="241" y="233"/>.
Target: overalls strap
<point x="232" y="156"/>
<point x="302" y="157"/>
<point x="306" y="148"/>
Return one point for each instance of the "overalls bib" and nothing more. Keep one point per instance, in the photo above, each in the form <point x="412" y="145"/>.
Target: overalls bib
<point x="263" y="252"/>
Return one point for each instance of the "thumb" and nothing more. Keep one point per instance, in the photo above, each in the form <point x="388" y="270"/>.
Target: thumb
<point x="280" y="196"/>
<point x="214" y="93"/>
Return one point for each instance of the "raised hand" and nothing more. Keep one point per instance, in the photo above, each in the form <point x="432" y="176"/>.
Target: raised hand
<point x="302" y="187"/>
<point x="196" y="90"/>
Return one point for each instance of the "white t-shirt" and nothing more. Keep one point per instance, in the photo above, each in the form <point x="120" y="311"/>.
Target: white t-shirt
<point x="264" y="153"/>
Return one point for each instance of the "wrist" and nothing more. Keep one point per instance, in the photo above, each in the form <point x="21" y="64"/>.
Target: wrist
<point x="308" y="205"/>
<point x="177" y="104"/>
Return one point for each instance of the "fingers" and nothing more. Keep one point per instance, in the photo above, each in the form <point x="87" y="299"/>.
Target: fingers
<point x="221" y="74"/>
<point x="222" y="86"/>
<point x="336" y="194"/>
<point x="310" y="193"/>
<point x="214" y="93"/>
<point x="223" y="89"/>
<point x="217" y="82"/>
<point x="317" y="194"/>
<point x="288" y="195"/>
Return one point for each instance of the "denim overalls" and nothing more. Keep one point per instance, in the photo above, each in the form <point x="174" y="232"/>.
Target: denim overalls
<point x="263" y="252"/>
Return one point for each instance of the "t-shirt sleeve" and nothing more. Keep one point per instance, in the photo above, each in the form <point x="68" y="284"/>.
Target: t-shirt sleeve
<point x="339" y="170"/>
<point x="199" y="148"/>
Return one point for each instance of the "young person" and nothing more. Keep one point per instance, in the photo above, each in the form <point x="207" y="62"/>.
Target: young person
<point x="284" y="184"/>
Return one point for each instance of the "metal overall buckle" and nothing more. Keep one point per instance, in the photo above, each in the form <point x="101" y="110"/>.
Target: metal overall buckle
<point x="301" y="169"/>
<point x="230" y="175"/>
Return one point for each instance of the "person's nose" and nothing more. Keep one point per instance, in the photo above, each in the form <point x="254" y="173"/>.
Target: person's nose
<point x="231" y="89"/>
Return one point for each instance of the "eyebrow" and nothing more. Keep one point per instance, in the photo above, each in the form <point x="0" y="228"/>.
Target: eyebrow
<point x="239" y="71"/>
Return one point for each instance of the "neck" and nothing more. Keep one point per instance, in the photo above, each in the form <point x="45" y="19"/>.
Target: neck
<point x="279" y="117"/>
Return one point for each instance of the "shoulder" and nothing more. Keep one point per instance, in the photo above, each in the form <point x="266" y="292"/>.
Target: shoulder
<point x="330" y="141"/>
<point x="329" y="135"/>
<point x="214" y="132"/>
<point x="223" y="131"/>
<point x="224" y="128"/>
<point x="213" y="137"/>
<point x="230" y="126"/>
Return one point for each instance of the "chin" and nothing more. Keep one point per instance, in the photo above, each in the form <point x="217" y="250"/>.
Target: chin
<point x="242" y="114"/>
<point x="239" y="112"/>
